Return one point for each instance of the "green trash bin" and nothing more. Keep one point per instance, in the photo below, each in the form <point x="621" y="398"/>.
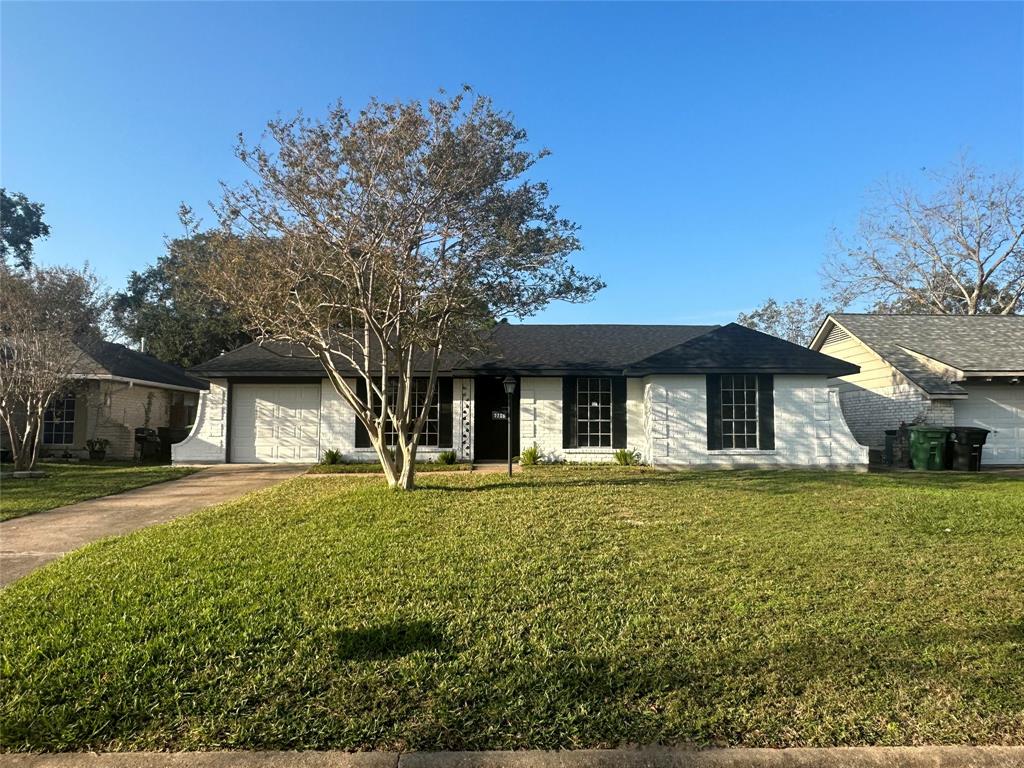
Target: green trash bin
<point x="928" y="446"/>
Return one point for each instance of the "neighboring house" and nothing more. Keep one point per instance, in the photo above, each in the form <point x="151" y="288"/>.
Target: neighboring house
<point x="681" y="395"/>
<point x="932" y="369"/>
<point x="117" y="390"/>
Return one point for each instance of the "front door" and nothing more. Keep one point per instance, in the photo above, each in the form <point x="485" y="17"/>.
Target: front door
<point x="491" y="437"/>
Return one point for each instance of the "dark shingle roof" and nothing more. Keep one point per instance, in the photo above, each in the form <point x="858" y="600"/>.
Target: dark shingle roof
<point x="971" y="344"/>
<point x="565" y="348"/>
<point x="554" y="350"/>
<point x="270" y="358"/>
<point x="119" y="360"/>
<point x="740" y="349"/>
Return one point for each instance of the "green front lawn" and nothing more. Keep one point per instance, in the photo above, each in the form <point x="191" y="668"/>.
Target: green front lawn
<point x="563" y="608"/>
<point x="375" y="468"/>
<point x="68" y="483"/>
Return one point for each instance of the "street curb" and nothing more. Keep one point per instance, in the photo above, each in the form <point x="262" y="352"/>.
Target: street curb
<point x="649" y="757"/>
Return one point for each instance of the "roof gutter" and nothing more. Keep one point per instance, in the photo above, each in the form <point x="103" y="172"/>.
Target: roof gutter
<point x="134" y="382"/>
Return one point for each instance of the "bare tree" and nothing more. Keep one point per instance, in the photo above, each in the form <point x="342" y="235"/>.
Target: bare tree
<point x="48" y="319"/>
<point x="795" y="321"/>
<point x="380" y="240"/>
<point x="959" y="250"/>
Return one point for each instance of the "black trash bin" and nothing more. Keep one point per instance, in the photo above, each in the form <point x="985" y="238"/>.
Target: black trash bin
<point x="168" y="437"/>
<point x="147" y="444"/>
<point x="901" y="447"/>
<point x="965" y="446"/>
<point x="890" y="447"/>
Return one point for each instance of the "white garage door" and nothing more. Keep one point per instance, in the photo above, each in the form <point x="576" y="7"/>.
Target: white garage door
<point x="1000" y="409"/>
<point x="277" y="423"/>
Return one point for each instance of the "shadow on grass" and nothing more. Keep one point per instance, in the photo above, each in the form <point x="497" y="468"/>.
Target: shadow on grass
<point x="388" y="641"/>
<point x="630" y="699"/>
<point x="771" y="481"/>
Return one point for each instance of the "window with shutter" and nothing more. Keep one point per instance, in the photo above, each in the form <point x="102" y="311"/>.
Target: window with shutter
<point x="741" y="411"/>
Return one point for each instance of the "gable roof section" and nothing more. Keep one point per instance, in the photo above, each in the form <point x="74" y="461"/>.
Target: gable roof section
<point x="936" y="351"/>
<point x="271" y="358"/>
<point x="558" y="349"/>
<point x="120" y="362"/>
<point x="554" y="350"/>
<point x="736" y="348"/>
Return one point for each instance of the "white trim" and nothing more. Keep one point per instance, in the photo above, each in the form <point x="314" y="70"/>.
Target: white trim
<point x="824" y="323"/>
<point x="133" y="382"/>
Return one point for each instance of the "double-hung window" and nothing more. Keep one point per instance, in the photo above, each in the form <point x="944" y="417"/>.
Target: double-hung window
<point x="429" y="434"/>
<point x="418" y="399"/>
<point x="594" y="412"/>
<point x="739" y="411"/>
<point x="59" y="421"/>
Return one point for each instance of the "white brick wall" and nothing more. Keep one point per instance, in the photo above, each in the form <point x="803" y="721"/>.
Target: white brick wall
<point x="464" y="413"/>
<point x="809" y="426"/>
<point x="338" y="424"/>
<point x="665" y="415"/>
<point x="870" y="412"/>
<point x="206" y="443"/>
<point x="540" y="413"/>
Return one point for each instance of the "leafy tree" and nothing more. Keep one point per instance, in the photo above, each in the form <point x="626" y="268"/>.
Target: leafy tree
<point x="959" y="250"/>
<point x="49" y="319"/>
<point x="21" y="223"/>
<point x="178" y="321"/>
<point x="378" y="240"/>
<point x="795" y="321"/>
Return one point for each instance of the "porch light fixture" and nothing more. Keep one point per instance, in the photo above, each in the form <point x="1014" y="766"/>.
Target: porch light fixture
<point x="509" y="383"/>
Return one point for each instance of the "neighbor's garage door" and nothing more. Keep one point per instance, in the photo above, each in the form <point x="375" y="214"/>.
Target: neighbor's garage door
<point x="1000" y="409"/>
<point x="275" y="423"/>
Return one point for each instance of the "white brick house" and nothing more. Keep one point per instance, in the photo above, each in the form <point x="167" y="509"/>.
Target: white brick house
<point x="931" y="369"/>
<point x="680" y="395"/>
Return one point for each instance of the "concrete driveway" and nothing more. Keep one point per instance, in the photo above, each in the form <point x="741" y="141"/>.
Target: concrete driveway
<point x="26" y="543"/>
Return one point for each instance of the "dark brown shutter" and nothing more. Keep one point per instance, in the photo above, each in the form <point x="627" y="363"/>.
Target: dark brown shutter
<point x="619" y="412"/>
<point x="444" y="412"/>
<point x="766" y="412"/>
<point x="362" y="436"/>
<point x="714" y="390"/>
<point x="569" y="412"/>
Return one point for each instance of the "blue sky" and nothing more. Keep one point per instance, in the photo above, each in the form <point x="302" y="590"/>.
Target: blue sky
<point x="706" y="150"/>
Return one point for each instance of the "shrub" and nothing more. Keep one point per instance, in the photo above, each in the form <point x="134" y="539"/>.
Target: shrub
<point x="447" y="457"/>
<point x="332" y="456"/>
<point x="627" y="457"/>
<point x="96" y="444"/>
<point x="531" y="456"/>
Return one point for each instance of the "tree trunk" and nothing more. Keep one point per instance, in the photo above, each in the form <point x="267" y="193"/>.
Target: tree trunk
<point x="407" y="476"/>
<point x="386" y="461"/>
<point x="26" y="450"/>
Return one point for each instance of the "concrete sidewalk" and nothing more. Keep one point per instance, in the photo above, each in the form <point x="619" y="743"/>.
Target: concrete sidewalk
<point x="29" y="542"/>
<point x="654" y="757"/>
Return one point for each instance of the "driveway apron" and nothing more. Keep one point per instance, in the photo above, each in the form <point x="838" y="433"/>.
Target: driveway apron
<point x="29" y="542"/>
